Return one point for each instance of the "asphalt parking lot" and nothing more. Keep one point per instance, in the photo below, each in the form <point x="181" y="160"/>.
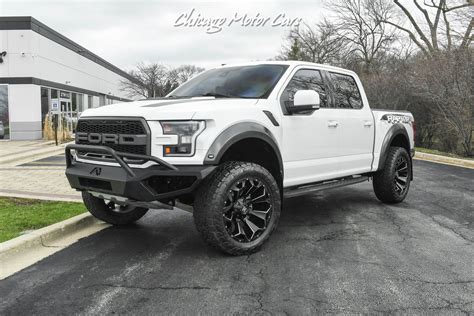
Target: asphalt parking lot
<point x="337" y="251"/>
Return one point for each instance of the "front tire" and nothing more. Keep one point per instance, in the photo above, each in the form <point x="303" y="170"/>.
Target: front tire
<point x="391" y="184"/>
<point x="237" y="207"/>
<point x="110" y="212"/>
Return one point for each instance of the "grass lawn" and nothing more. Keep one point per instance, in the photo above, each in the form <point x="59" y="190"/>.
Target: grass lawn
<point x="20" y="215"/>
<point x="441" y="153"/>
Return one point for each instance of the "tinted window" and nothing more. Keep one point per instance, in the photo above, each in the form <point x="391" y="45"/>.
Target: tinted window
<point x="346" y="92"/>
<point x="236" y="82"/>
<point x="305" y="79"/>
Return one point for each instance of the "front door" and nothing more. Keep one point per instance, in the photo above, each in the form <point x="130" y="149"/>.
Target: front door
<point x="310" y="140"/>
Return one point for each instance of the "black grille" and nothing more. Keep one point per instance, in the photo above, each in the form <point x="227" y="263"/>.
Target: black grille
<point x="111" y="127"/>
<point x="124" y="127"/>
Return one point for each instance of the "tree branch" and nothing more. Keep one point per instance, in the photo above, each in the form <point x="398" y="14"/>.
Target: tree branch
<point x="415" y="25"/>
<point x="467" y="38"/>
<point x="411" y="35"/>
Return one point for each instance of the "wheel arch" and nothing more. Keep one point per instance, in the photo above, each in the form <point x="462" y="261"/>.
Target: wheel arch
<point x="396" y="136"/>
<point x="242" y="135"/>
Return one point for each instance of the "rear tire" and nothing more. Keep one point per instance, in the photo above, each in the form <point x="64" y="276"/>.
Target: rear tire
<point x="112" y="213"/>
<point x="237" y="207"/>
<point x="391" y="184"/>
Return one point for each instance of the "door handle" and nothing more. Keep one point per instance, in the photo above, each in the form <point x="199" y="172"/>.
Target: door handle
<point x="333" y="123"/>
<point x="368" y="123"/>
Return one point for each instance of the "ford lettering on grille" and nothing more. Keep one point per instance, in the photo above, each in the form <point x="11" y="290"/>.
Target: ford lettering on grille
<point x="118" y="139"/>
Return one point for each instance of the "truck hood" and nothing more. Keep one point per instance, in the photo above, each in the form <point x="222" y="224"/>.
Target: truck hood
<point x="169" y="109"/>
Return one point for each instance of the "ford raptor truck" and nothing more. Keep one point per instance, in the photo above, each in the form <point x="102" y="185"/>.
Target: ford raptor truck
<point x="231" y="143"/>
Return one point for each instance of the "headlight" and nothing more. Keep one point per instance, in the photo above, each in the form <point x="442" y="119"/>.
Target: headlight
<point x="187" y="131"/>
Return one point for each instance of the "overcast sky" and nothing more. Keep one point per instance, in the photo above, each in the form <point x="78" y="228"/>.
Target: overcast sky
<point x="126" y="32"/>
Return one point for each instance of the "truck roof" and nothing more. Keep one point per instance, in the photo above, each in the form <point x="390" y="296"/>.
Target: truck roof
<point x="292" y="63"/>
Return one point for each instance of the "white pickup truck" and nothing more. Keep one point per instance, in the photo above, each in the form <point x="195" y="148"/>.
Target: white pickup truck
<point x="232" y="142"/>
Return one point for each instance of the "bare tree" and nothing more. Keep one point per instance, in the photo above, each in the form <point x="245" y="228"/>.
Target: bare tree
<point x="359" y="24"/>
<point x="446" y="82"/>
<point x="156" y="80"/>
<point x="320" y="44"/>
<point x="183" y="73"/>
<point x="148" y="80"/>
<point x="430" y="24"/>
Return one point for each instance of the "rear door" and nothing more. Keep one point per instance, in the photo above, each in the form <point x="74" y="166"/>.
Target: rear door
<point x="355" y="124"/>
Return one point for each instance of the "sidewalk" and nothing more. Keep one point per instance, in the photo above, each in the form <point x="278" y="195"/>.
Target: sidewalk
<point x="13" y="153"/>
<point x="36" y="181"/>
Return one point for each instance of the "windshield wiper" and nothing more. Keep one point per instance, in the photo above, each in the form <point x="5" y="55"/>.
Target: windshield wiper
<point x="216" y="95"/>
<point x="178" y="97"/>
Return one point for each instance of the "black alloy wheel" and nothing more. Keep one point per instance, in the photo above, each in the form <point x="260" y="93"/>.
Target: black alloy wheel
<point x="247" y="210"/>
<point x="237" y="207"/>
<point x="391" y="184"/>
<point x="401" y="175"/>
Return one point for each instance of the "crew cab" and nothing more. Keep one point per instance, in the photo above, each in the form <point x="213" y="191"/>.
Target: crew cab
<point x="231" y="143"/>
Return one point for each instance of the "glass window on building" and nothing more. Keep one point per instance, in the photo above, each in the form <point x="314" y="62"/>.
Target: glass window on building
<point x="80" y="103"/>
<point x="101" y="100"/>
<point x="4" y="116"/>
<point x="74" y="102"/>
<point x="54" y="94"/>
<point x="90" y="102"/>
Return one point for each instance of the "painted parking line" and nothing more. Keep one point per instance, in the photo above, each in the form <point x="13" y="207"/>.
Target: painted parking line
<point x="53" y="161"/>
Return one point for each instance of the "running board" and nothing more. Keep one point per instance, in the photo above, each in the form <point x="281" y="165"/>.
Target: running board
<point x="324" y="185"/>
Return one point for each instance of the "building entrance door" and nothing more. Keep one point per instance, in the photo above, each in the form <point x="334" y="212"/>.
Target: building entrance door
<point x="66" y="108"/>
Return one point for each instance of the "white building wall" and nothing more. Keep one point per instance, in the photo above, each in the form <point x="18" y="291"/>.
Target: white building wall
<point x="33" y="55"/>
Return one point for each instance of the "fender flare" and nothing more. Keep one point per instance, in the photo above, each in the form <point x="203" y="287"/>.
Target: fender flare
<point x="394" y="131"/>
<point x="238" y="132"/>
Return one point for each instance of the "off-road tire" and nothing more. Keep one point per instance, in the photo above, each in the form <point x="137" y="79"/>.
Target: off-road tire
<point x="384" y="181"/>
<point x="213" y="194"/>
<point x="99" y="209"/>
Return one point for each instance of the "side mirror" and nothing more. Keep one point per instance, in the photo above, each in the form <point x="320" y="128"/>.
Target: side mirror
<point x="305" y="100"/>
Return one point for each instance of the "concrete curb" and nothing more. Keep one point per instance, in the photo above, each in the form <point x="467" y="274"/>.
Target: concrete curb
<point x="19" y="253"/>
<point x="445" y="160"/>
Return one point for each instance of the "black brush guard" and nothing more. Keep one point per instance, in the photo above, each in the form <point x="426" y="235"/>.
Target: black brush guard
<point x="125" y="181"/>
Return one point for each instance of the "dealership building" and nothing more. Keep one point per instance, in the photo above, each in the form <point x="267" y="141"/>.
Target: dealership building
<point x="40" y="68"/>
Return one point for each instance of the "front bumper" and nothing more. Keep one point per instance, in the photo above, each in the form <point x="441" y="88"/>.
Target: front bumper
<point x="160" y="181"/>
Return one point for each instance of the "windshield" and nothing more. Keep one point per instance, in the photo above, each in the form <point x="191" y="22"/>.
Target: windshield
<point x="253" y="82"/>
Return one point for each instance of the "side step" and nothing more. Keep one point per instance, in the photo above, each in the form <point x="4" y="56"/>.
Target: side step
<point x="323" y="185"/>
